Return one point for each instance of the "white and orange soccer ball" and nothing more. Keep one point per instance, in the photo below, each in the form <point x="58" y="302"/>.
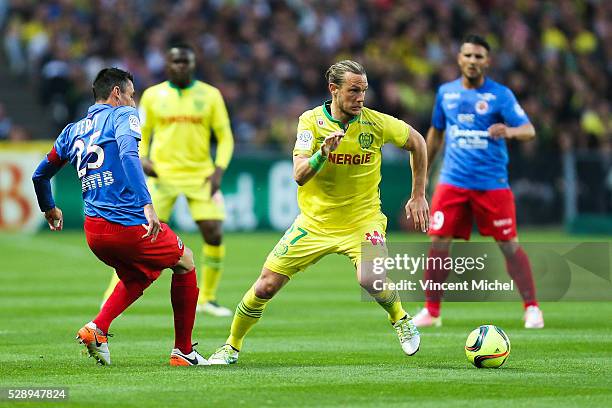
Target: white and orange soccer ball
<point x="487" y="346"/>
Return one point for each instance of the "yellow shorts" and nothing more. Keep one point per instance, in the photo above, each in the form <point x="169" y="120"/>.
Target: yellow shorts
<point x="201" y="205"/>
<point x="304" y="244"/>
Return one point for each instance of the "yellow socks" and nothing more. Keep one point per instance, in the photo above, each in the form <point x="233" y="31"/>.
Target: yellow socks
<point x="391" y="302"/>
<point x="212" y="268"/>
<point x="247" y="314"/>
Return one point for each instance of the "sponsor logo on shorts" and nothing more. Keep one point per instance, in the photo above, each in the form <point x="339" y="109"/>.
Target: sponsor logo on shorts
<point x="437" y="220"/>
<point x="375" y="238"/>
<point x="502" y="222"/>
<point x="506" y="231"/>
<point x="280" y="249"/>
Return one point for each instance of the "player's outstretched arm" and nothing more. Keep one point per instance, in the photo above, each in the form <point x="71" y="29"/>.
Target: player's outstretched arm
<point x="523" y="133"/>
<point x="435" y="141"/>
<point x="305" y="167"/>
<point x="41" y="178"/>
<point x="417" y="207"/>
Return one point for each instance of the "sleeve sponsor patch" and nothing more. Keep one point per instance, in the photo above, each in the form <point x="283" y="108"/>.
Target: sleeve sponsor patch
<point x="304" y="140"/>
<point x="134" y="124"/>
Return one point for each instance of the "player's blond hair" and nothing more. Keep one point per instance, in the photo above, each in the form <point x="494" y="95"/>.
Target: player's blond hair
<point x="335" y="73"/>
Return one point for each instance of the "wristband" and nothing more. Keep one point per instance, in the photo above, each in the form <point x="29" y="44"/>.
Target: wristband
<point x="317" y="161"/>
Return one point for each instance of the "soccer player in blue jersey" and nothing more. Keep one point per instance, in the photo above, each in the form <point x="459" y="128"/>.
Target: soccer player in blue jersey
<point x="121" y="225"/>
<point x="473" y="117"/>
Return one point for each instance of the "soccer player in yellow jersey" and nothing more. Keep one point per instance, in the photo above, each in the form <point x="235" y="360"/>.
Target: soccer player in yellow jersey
<point x="336" y="163"/>
<point x="179" y="116"/>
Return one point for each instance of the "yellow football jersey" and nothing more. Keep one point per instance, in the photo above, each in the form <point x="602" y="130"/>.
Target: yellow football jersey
<point x="176" y="130"/>
<point x="344" y="192"/>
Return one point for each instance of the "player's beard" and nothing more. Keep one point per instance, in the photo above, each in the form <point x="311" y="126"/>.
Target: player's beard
<point x="474" y="79"/>
<point x="346" y="111"/>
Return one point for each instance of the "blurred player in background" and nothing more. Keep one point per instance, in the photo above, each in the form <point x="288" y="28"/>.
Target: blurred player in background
<point x="476" y="116"/>
<point x="336" y="163"/>
<point x="179" y="116"/>
<point x="121" y="225"/>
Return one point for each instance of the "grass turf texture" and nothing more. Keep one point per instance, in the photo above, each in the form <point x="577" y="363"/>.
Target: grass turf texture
<point x="317" y="344"/>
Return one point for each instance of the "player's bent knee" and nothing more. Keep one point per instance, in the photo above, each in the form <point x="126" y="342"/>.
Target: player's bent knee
<point x="509" y="247"/>
<point x="213" y="238"/>
<point x="212" y="231"/>
<point x="269" y="283"/>
<point x="368" y="282"/>
<point x="266" y="289"/>
<point x="441" y="243"/>
<point x="185" y="263"/>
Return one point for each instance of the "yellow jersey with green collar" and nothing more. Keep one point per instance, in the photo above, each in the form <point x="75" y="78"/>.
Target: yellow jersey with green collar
<point x="176" y="129"/>
<point x="344" y="193"/>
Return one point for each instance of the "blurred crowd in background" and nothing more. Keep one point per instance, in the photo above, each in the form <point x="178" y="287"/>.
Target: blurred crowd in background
<point x="268" y="57"/>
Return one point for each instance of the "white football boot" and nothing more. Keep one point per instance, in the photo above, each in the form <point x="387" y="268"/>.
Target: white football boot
<point x="408" y="335"/>
<point x="214" y="309"/>
<point x="225" y="355"/>
<point x="534" y="319"/>
<point x="96" y="342"/>
<point x="178" y="358"/>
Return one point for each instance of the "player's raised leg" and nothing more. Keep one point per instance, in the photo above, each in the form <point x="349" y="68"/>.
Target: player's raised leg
<point x="248" y="313"/>
<point x="112" y="249"/>
<point x="184" y="297"/>
<point x="390" y="301"/>
<point x="213" y="256"/>
<point x="519" y="269"/>
<point x="111" y="286"/>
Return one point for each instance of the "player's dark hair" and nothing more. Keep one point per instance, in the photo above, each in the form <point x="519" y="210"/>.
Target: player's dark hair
<point x="335" y="73"/>
<point x="478" y="40"/>
<point x="107" y="79"/>
<point x="181" y="46"/>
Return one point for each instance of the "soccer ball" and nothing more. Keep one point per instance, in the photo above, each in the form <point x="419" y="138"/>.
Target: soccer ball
<point x="487" y="346"/>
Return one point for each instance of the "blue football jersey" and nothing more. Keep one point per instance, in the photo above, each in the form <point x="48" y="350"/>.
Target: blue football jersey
<point x="472" y="159"/>
<point x="92" y="146"/>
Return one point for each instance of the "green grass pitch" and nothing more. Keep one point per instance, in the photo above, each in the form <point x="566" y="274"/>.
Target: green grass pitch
<point x="317" y="345"/>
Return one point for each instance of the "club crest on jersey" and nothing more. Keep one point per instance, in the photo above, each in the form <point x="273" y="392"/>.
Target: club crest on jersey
<point x="375" y="238"/>
<point x="320" y="122"/>
<point x="198" y="104"/>
<point x="366" y="140"/>
<point x="482" y="107"/>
